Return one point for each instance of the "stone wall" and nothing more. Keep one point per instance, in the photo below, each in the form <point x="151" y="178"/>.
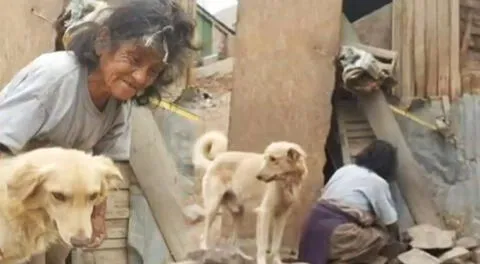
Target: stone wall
<point x="453" y="165"/>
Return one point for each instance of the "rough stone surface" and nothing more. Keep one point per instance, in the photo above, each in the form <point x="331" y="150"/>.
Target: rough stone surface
<point x="193" y="213"/>
<point x="475" y="254"/>
<point x="380" y="260"/>
<point x="417" y="256"/>
<point x="467" y="242"/>
<point x="456" y="254"/>
<point x="453" y="166"/>
<point x="220" y="255"/>
<point x="430" y="237"/>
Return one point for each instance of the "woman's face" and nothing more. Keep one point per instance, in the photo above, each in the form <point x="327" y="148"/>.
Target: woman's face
<point x="129" y="69"/>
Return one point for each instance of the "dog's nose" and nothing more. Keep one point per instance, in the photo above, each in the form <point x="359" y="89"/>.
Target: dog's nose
<point x="259" y="177"/>
<point x="79" y="241"/>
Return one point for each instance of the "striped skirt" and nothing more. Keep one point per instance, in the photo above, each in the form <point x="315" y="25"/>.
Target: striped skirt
<point x="341" y="234"/>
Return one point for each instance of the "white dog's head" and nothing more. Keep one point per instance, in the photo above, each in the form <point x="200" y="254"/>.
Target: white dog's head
<point x="283" y="161"/>
<point x="65" y="184"/>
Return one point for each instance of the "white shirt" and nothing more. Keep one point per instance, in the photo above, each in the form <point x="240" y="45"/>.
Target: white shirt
<point x="361" y="188"/>
<point x="48" y="100"/>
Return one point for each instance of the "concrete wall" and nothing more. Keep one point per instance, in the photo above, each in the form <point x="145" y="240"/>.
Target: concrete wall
<point x="453" y="167"/>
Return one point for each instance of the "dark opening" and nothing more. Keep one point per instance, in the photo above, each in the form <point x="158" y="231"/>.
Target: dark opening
<point x="356" y="9"/>
<point x="353" y="10"/>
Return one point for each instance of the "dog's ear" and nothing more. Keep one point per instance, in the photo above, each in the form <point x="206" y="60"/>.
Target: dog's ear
<point x="295" y="153"/>
<point x="26" y="180"/>
<point x="112" y="176"/>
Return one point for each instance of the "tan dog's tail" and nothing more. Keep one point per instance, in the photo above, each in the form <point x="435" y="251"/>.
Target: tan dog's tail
<point x="207" y="147"/>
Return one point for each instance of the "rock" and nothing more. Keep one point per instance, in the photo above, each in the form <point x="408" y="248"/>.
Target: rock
<point x="380" y="260"/>
<point x="193" y="213"/>
<point x="417" y="256"/>
<point x="429" y="237"/>
<point x="475" y="254"/>
<point x="220" y="255"/>
<point x="455" y="254"/>
<point x="467" y="242"/>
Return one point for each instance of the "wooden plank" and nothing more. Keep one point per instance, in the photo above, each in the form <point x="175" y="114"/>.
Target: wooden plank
<point x="118" y="205"/>
<point x="407" y="53"/>
<point x="128" y="175"/>
<point x="112" y="256"/>
<point x="28" y="33"/>
<point x="343" y="137"/>
<point x="444" y="39"/>
<point x="397" y="32"/>
<point x="466" y="39"/>
<point x="419" y="48"/>
<point x="432" y="48"/>
<point x="467" y="83"/>
<point x="113" y="244"/>
<point x="291" y="101"/>
<point x="157" y="171"/>
<point x="455" y="78"/>
<point x="471" y="3"/>
<point x="360" y="134"/>
<point x="357" y="126"/>
<point x="419" y="199"/>
<point x="117" y="228"/>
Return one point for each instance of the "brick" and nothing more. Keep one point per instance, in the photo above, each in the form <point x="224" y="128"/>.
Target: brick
<point x="467" y="242"/>
<point x="220" y="255"/>
<point x="193" y="213"/>
<point x="429" y="237"/>
<point x="417" y="256"/>
<point x="455" y="255"/>
<point x="475" y="255"/>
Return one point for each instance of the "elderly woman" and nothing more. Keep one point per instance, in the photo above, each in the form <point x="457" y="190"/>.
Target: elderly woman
<point x="82" y="98"/>
<point x="355" y="220"/>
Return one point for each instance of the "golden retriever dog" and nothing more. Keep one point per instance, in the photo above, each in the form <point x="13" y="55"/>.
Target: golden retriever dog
<point x="48" y="194"/>
<point x="233" y="178"/>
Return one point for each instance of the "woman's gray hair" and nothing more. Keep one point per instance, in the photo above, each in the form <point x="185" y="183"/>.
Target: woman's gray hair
<point x="161" y="25"/>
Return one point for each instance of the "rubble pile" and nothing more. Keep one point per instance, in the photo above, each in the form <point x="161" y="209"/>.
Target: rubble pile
<point x="217" y="83"/>
<point x="432" y="245"/>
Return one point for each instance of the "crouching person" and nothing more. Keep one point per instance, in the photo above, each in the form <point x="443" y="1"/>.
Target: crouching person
<point x="355" y="220"/>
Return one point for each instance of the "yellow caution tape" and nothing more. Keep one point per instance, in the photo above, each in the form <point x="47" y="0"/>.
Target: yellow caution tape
<point x="412" y="117"/>
<point x="174" y="108"/>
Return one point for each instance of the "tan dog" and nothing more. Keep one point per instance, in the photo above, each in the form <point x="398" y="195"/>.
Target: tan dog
<point x="232" y="178"/>
<point x="47" y="194"/>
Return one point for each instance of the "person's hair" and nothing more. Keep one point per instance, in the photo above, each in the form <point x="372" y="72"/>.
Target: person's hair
<point x="379" y="157"/>
<point x="161" y="24"/>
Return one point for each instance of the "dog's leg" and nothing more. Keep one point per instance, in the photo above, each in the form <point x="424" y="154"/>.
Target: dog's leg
<point x="211" y="209"/>
<point x="264" y="217"/>
<point x="236" y="226"/>
<point x="279" y="224"/>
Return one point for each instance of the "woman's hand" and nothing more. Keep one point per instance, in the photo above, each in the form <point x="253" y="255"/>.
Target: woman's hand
<point x="99" y="230"/>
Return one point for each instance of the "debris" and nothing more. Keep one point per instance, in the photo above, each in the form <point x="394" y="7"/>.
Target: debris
<point x="430" y="237"/>
<point x="361" y="70"/>
<point x="476" y="255"/>
<point x="194" y="213"/>
<point x="455" y="255"/>
<point x="380" y="260"/>
<point x="467" y="242"/>
<point x="417" y="256"/>
<point x="220" y="255"/>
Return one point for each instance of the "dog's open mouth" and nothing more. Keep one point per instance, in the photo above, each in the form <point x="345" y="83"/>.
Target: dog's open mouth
<point x="267" y="180"/>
